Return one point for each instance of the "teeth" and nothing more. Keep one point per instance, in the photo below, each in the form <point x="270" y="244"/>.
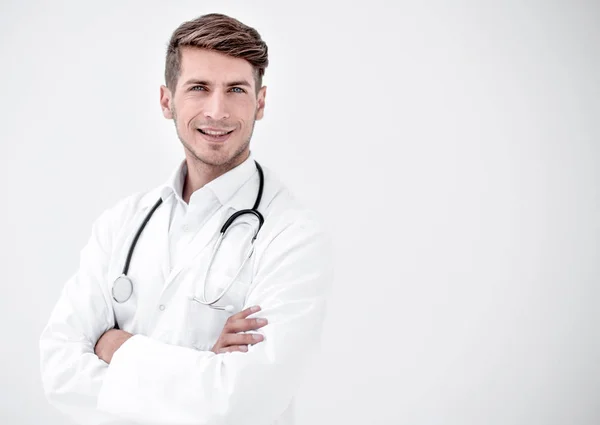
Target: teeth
<point x="214" y="133"/>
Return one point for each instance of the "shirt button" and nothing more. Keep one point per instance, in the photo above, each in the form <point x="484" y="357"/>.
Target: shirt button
<point x="161" y="307"/>
<point x="186" y="228"/>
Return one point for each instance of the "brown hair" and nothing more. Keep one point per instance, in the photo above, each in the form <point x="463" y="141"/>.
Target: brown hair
<point x="219" y="33"/>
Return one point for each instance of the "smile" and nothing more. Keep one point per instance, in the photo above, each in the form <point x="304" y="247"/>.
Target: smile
<point x="214" y="132"/>
<point x="215" y="135"/>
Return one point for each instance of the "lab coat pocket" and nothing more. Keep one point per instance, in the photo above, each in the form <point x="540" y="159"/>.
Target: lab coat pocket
<point x="227" y="280"/>
<point x="204" y="323"/>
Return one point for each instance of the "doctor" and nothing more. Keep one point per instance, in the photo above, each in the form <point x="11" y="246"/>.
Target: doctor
<point x="157" y="325"/>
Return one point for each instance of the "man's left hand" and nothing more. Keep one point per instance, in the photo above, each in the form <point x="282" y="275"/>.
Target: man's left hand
<point x="110" y="342"/>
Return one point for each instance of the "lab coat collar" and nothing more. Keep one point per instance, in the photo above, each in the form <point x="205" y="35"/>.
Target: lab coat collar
<point x="225" y="187"/>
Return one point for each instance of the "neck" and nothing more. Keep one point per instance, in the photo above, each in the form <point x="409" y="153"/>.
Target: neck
<point x="200" y="173"/>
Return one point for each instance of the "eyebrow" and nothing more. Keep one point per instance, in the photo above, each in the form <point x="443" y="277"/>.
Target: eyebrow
<point x="208" y="83"/>
<point x="239" y="83"/>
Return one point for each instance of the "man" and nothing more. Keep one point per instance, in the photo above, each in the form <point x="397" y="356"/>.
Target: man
<point x="132" y="338"/>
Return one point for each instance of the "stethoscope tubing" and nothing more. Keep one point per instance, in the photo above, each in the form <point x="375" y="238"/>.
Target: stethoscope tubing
<point x="254" y="211"/>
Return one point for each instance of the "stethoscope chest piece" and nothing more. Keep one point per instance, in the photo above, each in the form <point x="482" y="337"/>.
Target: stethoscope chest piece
<point x="122" y="289"/>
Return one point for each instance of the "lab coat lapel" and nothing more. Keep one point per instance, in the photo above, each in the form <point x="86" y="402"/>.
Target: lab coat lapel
<point x="163" y="237"/>
<point x="158" y="230"/>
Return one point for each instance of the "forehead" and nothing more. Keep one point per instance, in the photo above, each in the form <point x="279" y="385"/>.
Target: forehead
<point x="209" y="65"/>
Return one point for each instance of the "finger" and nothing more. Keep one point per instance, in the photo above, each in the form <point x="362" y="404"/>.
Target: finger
<point x="241" y="339"/>
<point x="244" y="325"/>
<point x="244" y="313"/>
<point x="232" y="348"/>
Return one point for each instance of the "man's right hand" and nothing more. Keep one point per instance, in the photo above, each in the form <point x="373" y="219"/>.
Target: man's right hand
<point x="231" y="340"/>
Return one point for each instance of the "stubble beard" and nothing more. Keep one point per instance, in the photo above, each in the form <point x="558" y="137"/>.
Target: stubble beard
<point x="215" y="164"/>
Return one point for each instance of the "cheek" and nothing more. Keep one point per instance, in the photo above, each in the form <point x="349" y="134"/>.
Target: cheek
<point x="187" y="112"/>
<point x="246" y="113"/>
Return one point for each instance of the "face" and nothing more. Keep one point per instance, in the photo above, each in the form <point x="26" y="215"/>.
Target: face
<point x="214" y="106"/>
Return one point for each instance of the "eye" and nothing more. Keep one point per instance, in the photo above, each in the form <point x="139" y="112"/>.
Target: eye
<point x="238" y="90"/>
<point x="197" y="88"/>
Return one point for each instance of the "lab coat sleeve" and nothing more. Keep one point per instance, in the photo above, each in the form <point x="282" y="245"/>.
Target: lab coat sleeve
<point x="156" y="383"/>
<point x="71" y="372"/>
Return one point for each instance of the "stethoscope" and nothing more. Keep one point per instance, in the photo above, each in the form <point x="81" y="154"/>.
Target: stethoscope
<point x="123" y="286"/>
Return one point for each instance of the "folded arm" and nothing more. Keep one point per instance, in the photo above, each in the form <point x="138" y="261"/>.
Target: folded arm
<point x="71" y="372"/>
<point x="157" y="383"/>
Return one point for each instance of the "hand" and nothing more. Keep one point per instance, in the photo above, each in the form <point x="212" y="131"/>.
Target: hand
<point x="110" y="342"/>
<point x="230" y="340"/>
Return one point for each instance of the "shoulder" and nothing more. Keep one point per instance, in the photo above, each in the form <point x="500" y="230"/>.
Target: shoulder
<point x="288" y="217"/>
<point x="293" y="244"/>
<point x="282" y="205"/>
<point x="121" y="212"/>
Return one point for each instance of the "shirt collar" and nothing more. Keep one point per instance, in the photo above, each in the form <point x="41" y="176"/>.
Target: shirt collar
<point x="224" y="187"/>
<point x="174" y="185"/>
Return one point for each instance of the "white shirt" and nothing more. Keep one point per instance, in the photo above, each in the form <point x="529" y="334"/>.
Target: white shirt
<point x="166" y="373"/>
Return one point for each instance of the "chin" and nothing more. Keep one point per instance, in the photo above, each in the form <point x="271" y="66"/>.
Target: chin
<point x="214" y="158"/>
<point x="215" y="154"/>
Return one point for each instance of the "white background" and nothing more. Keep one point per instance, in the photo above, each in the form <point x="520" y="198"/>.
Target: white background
<point x="452" y="148"/>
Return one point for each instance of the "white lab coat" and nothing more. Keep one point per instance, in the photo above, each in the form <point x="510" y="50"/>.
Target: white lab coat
<point x="166" y="373"/>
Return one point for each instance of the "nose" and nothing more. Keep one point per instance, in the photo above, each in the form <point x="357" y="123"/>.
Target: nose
<point x="215" y="106"/>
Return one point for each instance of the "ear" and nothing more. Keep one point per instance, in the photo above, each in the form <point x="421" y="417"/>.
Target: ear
<point x="165" y="102"/>
<point x="260" y="109"/>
